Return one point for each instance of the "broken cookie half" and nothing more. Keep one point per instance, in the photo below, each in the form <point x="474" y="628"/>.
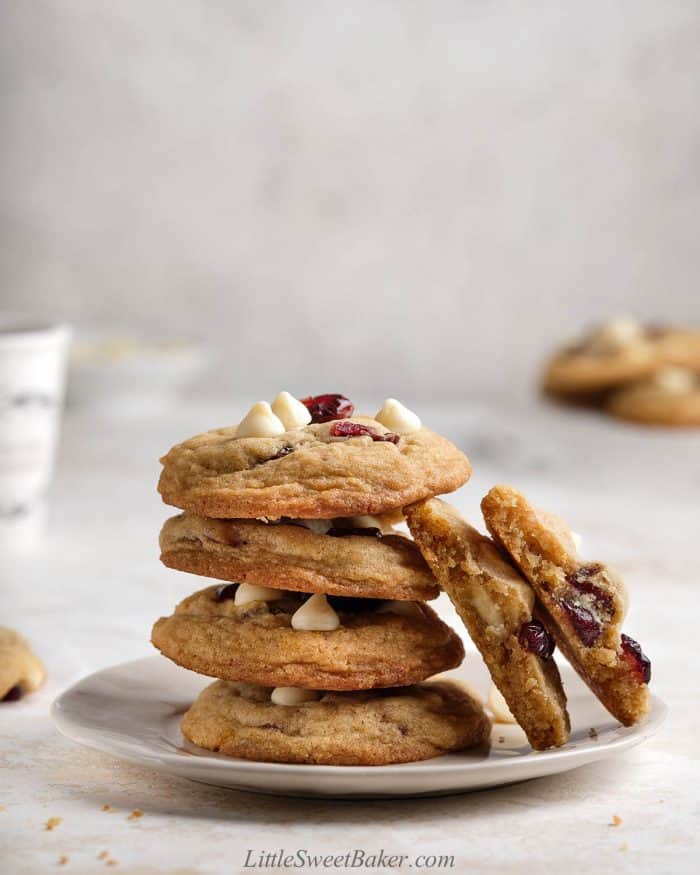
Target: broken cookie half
<point x="497" y="605"/>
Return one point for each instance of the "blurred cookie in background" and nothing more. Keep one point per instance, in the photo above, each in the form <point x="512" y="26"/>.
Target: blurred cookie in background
<point x="676" y="346"/>
<point x="617" y="352"/>
<point x="671" y="396"/>
<point x="21" y="671"/>
<point x="644" y="373"/>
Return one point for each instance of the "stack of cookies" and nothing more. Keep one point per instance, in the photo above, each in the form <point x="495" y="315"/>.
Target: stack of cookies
<point x="320" y="636"/>
<point x="648" y="374"/>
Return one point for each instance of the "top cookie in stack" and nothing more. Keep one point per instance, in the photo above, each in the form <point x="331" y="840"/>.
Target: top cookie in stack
<point x="313" y="459"/>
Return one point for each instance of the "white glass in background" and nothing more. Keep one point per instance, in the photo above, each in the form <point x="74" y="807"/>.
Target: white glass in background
<point x="32" y="381"/>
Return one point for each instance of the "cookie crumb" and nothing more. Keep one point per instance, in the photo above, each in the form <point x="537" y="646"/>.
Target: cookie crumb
<point x="112" y="862"/>
<point x="62" y="860"/>
<point x="616" y="821"/>
<point x="592" y="732"/>
<point x="103" y="855"/>
<point x="107" y="808"/>
<point x="53" y="822"/>
<point x="135" y="814"/>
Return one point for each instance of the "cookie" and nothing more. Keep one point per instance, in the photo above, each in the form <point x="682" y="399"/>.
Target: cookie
<point x="21" y="671"/>
<point x="677" y="347"/>
<point x="375" y="644"/>
<point x="496" y="605"/>
<point x="397" y="725"/>
<point x="583" y="603"/>
<point x="617" y="352"/>
<point x="340" y="468"/>
<point x="354" y="561"/>
<point x="670" y="397"/>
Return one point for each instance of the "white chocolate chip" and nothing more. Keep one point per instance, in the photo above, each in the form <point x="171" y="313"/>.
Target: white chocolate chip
<point x="320" y="527"/>
<point x="499" y="707"/>
<point x="676" y="380"/>
<point x="260" y="421"/>
<point x="291" y="411"/>
<point x="315" y="615"/>
<point x="397" y="418"/>
<point x="485" y="607"/>
<point x="615" y="334"/>
<point x="403" y="609"/>
<point x="293" y="696"/>
<point x="577" y="539"/>
<point x="370" y="522"/>
<point x="249" y="592"/>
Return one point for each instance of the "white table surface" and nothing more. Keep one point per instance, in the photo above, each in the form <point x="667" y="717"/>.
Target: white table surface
<point x="88" y="597"/>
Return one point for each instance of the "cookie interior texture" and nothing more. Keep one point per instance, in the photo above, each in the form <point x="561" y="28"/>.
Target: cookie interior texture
<point x="256" y="643"/>
<point x="319" y="476"/>
<point x="495" y="602"/>
<point x="290" y="556"/>
<point x="377" y="727"/>
<point x="583" y="603"/>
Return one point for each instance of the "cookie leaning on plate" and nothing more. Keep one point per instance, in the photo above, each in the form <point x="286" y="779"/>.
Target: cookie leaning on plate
<point x="496" y="605"/>
<point x="584" y="603"/>
<point x="344" y="560"/>
<point x="370" y="728"/>
<point x="367" y="644"/>
<point x="340" y="468"/>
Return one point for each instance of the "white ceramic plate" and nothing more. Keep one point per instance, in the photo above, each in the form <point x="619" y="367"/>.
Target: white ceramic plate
<point x="133" y="712"/>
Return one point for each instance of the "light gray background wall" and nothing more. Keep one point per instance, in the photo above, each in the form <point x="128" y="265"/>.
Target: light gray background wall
<point x="395" y="197"/>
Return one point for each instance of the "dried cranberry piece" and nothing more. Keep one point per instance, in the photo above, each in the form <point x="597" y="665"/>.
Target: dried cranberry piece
<point x="13" y="694"/>
<point x="585" y="624"/>
<point x="354" y="429"/>
<point x="584" y="572"/>
<point x="338" y="532"/>
<point x="534" y="638"/>
<point x="581" y="581"/>
<point x="226" y="591"/>
<point x="633" y="654"/>
<point x="324" y="408"/>
<point x="280" y="454"/>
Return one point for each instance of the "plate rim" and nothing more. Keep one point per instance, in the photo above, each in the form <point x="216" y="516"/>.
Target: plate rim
<point x="72" y="729"/>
